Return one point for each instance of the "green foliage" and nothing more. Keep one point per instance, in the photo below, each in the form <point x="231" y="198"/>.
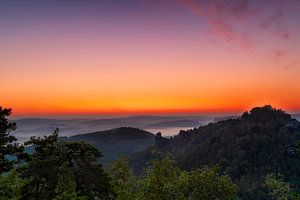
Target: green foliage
<point x="278" y="189"/>
<point x="159" y="181"/>
<point x="45" y="172"/>
<point x="207" y="184"/>
<point x="7" y="141"/>
<point x="66" y="186"/>
<point x="123" y="181"/>
<point x="10" y="186"/>
<point x="164" y="181"/>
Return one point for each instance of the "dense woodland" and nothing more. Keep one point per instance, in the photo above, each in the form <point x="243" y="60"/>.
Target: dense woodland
<point x="248" y="149"/>
<point x="251" y="157"/>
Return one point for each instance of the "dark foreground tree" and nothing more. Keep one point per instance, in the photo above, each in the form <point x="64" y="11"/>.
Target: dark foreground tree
<point x="74" y="163"/>
<point x="8" y="147"/>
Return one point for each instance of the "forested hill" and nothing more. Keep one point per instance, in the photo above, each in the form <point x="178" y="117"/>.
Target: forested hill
<point x="247" y="148"/>
<point x="115" y="142"/>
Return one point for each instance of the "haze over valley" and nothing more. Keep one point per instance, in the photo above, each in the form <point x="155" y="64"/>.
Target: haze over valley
<point x="167" y="125"/>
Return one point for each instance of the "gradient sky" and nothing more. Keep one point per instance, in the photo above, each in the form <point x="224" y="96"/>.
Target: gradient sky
<point x="148" y="56"/>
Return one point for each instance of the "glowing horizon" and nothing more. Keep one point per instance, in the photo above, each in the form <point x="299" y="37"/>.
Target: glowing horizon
<point x="147" y="57"/>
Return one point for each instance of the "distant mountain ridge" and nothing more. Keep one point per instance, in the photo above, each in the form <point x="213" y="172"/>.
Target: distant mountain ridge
<point x="28" y="127"/>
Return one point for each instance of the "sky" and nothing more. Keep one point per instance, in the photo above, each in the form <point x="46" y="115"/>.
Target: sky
<point x="77" y="57"/>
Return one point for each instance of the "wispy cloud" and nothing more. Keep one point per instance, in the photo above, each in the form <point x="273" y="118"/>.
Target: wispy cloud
<point x="225" y="17"/>
<point x="274" y="22"/>
<point x="288" y="66"/>
<point x="238" y="22"/>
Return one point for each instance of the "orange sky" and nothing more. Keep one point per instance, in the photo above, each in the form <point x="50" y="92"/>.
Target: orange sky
<point x="152" y="64"/>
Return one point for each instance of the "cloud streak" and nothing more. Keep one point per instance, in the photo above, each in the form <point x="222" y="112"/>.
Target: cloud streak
<point x="223" y="16"/>
<point x="289" y="66"/>
<point x="229" y="19"/>
<point x="226" y="16"/>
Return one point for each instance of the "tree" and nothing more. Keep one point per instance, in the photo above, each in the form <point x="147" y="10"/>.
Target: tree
<point x="165" y="181"/>
<point x="207" y="184"/>
<point x="8" y="147"/>
<point x="278" y="189"/>
<point x="10" y="186"/>
<point x="79" y="159"/>
<point x="66" y="185"/>
<point x="123" y="181"/>
<point x="159" y="181"/>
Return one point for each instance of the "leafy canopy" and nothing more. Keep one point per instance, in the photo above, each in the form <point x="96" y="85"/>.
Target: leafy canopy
<point x="56" y="163"/>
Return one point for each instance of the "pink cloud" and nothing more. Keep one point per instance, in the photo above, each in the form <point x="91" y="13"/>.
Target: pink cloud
<point x="238" y="21"/>
<point x="224" y="17"/>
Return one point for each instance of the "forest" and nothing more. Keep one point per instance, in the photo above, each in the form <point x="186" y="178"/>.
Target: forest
<point x="254" y="156"/>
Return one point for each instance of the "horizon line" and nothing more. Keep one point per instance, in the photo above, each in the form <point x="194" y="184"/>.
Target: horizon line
<point x="93" y="115"/>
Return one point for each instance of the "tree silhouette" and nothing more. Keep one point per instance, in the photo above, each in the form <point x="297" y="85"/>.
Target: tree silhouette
<point x="8" y="147"/>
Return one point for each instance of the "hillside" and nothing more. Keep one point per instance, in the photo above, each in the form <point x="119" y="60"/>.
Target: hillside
<point x="247" y="148"/>
<point x="115" y="142"/>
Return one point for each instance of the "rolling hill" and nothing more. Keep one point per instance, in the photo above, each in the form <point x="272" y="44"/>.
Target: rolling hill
<point x="115" y="142"/>
<point x="247" y="148"/>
